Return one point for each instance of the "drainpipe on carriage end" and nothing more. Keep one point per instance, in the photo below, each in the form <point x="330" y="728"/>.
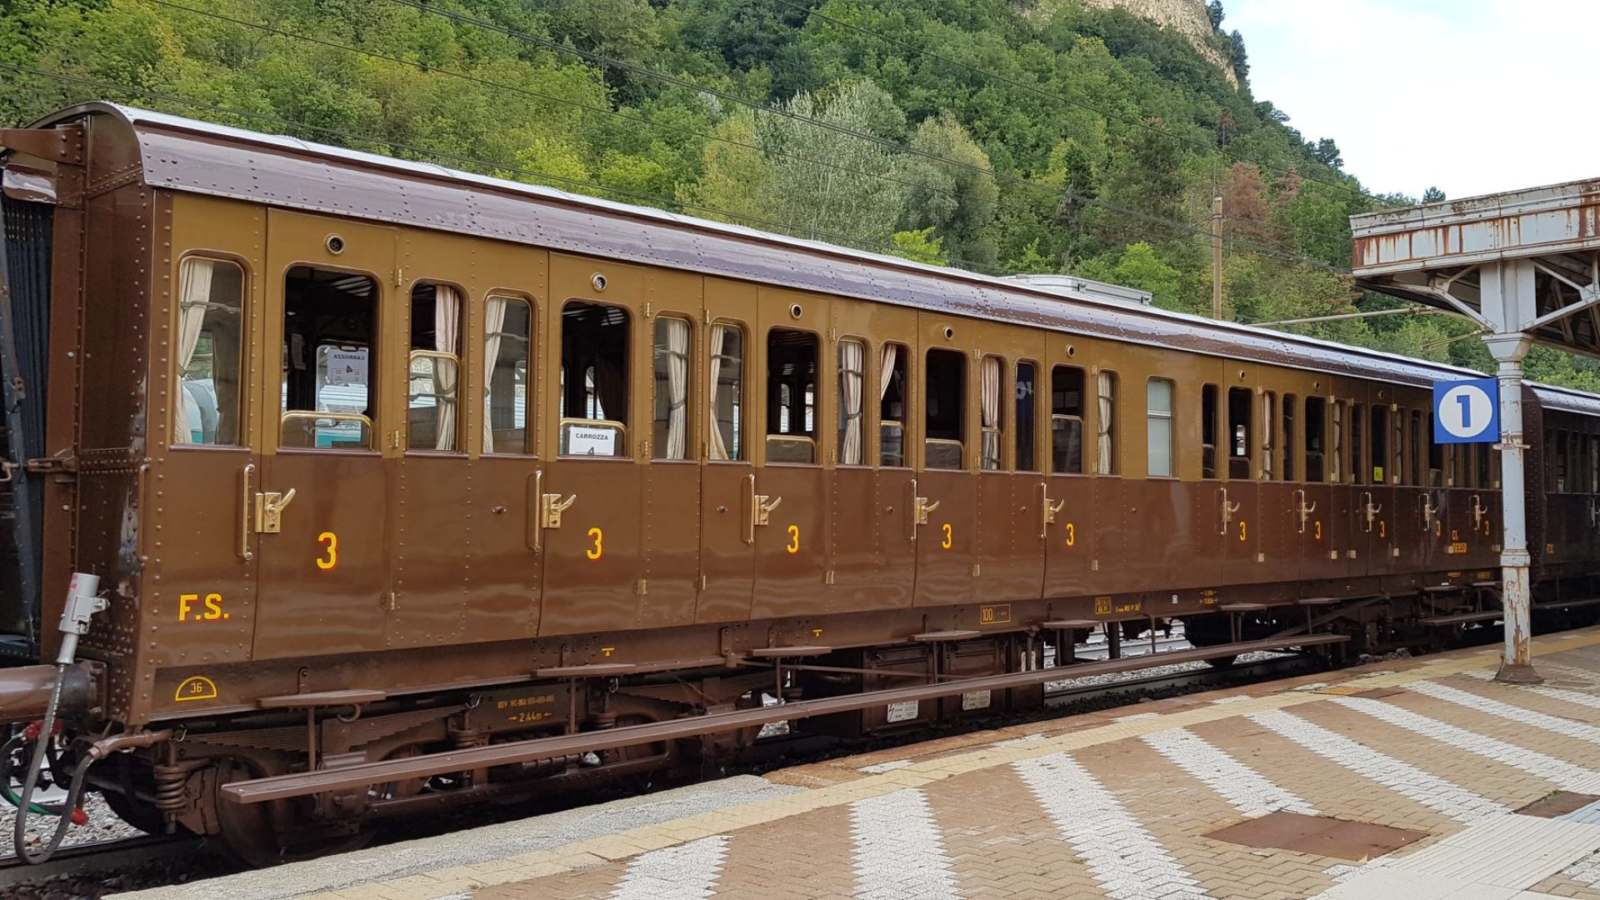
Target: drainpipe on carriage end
<point x="1516" y="664"/>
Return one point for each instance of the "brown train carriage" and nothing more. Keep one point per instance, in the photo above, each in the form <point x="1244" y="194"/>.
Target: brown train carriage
<point x="488" y="462"/>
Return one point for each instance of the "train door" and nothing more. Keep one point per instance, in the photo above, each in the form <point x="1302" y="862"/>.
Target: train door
<point x="1350" y="414"/>
<point x="1412" y="500"/>
<point x="1379" y="492"/>
<point x="1277" y="541"/>
<point x="1434" y="512"/>
<point x="1150" y="543"/>
<point x="789" y="508"/>
<point x="873" y="551"/>
<point x="1009" y="531"/>
<point x="588" y="522"/>
<point x="669" y="520"/>
<point x="465" y="565"/>
<point x="211" y="469"/>
<point x="1236" y="521"/>
<point x="728" y="478"/>
<point x="1314" y="506"/>
<point x="945" y="503"/>
<point x="1063" y="408"/>
<point x="330" y="317"/>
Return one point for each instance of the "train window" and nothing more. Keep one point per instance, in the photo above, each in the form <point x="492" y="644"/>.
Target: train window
<point x="1288" y="437"/>
<point x="1208" y="431"/>
<point x="1269" y="427"/>
<point x="1239" y="446"/>
<point x="1158" y="421"/>
<point x="507" y="390"/>
<point x="1397" y="447"/>
<point x="1026" y="395"/>
<point x="669" y="434"/>
<point x="727" y="391"/>
<point x="1105" y="451"/>
<point x="1560" y="468"/>
<point x="1380" y="455"/>
<point x="433" y="368"/>
<point x="1336" y="459"/>
<point x="1316" y="423"/>
<point x="791" y="396"/>
<point x="210" y="356"/>
<point x="1066" y="420"/>
<point x="1435" y="456"/>
<point x="1594" y="464"/>
<point x="1358" y="474"/>
<point x="852" y="384"/>
<point x="894" y="406"/>
<point x="1452" y="465"/>
<point x="329" y="398"/>
<point x="1414" y="474"/>
<point x="594" y="380"/>
<point x="1488" y="465"/>
<point x="945" y="397"/>
<point x="991" y="411"/>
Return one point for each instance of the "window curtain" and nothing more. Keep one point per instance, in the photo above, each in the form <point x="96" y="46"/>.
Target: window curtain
<point x="719" y="336"/>
<point x="890" y="351"/>
<point x="1102" y="463"/>
<point x="989" y="399"/>
<point x="494" y="322"/>
<point x="677" y="387"/>
<point x="195" y="276"/>
<point x="446" y="327"/>
<point x="611" y="386"/>
<point x="1266" y="436"/>
<point x="852" y="359"/>
<point x="1336" y="459"/>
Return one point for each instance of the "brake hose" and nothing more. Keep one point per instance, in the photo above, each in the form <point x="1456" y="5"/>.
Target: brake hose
<point x="82" y="603"/>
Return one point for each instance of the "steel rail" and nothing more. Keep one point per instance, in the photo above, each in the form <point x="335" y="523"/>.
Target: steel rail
<point x="281" y="787"/>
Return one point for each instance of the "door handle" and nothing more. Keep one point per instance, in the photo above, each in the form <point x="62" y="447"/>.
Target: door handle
<point x="245" y="496"/>
<point x="1428" y="511"/>
<point x="535" y="524"/>
<point x="269" y="511"/>
<point x="762" y="508"/>
<point x="1048" y="510"/>
<point x="911" y="511"/>
<point x="1304" y="509"/>
<point x="551" y="506"/>
<point x="1478" y="511"/>
<point x="750" y="509"/>
<point x="923" y="508"/>
<point x="1228" y="509"/>
<point x="1370" y="509"/>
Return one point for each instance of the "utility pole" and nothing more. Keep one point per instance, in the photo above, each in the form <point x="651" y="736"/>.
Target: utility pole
<point x="1216" y="257"/>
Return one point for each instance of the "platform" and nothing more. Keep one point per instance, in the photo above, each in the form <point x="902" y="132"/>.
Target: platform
<point x="1418" y="778"/>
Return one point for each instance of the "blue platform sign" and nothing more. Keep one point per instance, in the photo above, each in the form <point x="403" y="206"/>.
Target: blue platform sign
<point x="1466" y="412"/>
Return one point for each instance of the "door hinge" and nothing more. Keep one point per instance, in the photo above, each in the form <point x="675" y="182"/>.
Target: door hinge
<point x="399" y="276"/>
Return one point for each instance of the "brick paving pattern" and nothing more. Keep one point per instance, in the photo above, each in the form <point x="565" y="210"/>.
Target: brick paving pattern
<point x="1119" y="804"/>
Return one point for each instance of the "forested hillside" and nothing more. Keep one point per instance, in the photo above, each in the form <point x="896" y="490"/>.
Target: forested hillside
<point x="997" y="135"/>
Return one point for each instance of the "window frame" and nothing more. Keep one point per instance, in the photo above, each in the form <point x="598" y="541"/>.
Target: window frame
<point x="243" y="389"/>
<point x="1032" y="441"/>
<point x="1002" y="457"/>
<point x="690" y="357"/>
<point x="1082" y="418"/>
<point x="817" y="387"/>
<point x="460" y="358"/>
<point x="963" y="424"/>
<point x="375" y="357"/>
<point x="865" y="414"/>
<point x="629" y="350"/>
<point x="530" y="394"/>
<point x="904" y="364"/>
<point x="741" y="426"/>
<point x="1111" y="465"/>
<point x="1170" y="416"/>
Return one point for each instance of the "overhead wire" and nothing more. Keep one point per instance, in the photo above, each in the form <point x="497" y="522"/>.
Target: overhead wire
<point x="609" y="62"/>
<point x="488" y="167"/>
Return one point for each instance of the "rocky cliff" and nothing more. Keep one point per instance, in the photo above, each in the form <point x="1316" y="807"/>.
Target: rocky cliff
<point x="1187" y="17"/>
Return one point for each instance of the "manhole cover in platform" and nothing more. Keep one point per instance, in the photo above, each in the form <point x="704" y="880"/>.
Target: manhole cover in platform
<point x="1558" y="804"/>
<point x="1319" y="835"/>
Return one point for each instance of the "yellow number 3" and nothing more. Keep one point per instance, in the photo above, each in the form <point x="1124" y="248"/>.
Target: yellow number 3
<point x="794" y="540"/>
<point x="599" y="548"/>
<point x="949" y="537"/>
<point x="1244" y="533"/>
<point x="330" y="546"/>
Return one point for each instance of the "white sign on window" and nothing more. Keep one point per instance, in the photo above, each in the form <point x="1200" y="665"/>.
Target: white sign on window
<point x="901" y="712"/>
<point x="582" y="441"/>
<point x="347" y="365"/>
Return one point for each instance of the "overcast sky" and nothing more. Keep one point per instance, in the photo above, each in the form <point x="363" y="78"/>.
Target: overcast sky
<point x="1474" y="96"/>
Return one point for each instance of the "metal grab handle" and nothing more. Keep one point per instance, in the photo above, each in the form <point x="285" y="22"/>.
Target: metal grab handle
<point x="1478" y="511"/>
<point x="1228" y="509"/>
<point x="1594" y="513"/>
<point x="923" y="507"/>
<point x="551" y="506"/>
<point x="750" y="509"/>
<point x="269" y="511"/>
<point x="1428" y="511"/>
<point x="1371" y="509"/>
<point x="1305" y="510"/>
<point x="761" y="509"/>
<point x="246" y="495"/>
<point x="911" y="512"/>
<point x="535" y="539"/>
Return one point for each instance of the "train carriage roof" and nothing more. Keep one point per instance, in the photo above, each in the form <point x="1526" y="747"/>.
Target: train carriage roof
<point x="193" y="156"/>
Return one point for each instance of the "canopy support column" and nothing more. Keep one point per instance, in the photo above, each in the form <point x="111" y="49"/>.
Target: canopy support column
<point x="1508" y="302"/>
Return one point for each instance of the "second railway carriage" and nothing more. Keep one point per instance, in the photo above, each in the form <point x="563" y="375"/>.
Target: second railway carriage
<point x="376" y="461"/>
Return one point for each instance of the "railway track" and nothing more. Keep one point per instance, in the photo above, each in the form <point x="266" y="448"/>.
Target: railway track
<point x="98" y="858"/>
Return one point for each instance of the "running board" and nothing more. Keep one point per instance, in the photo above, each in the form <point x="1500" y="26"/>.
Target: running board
<point x="281" y="787"/>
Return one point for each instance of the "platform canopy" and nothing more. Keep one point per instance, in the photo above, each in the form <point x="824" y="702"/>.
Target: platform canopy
<point x="1524" y="261"/>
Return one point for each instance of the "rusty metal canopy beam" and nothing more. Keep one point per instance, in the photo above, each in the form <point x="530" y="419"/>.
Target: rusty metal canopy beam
<point x="281" y="787"/>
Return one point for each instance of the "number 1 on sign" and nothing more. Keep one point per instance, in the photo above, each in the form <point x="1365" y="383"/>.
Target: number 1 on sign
<point x="1465" y="402"/>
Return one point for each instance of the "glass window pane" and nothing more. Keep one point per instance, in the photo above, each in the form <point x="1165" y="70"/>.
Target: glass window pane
<point x="507" y="346"/>
<point x="670" y="431"/>
<point x="594" y="380"/>
<point x="791" y="396"/>
<point x="727" y="392"/>
<point x="434" y="367"/>
<point x="1025" y="406"/>
<point x="210" y="356"/>
<point x="329" y="385"/>
<point x="894" y="402"/>
<point x="1158" y="414"/>
<point x="852" y="384"/>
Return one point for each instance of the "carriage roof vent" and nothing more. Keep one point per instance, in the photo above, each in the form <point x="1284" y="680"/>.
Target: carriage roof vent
<point x="1075" y="288"/>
